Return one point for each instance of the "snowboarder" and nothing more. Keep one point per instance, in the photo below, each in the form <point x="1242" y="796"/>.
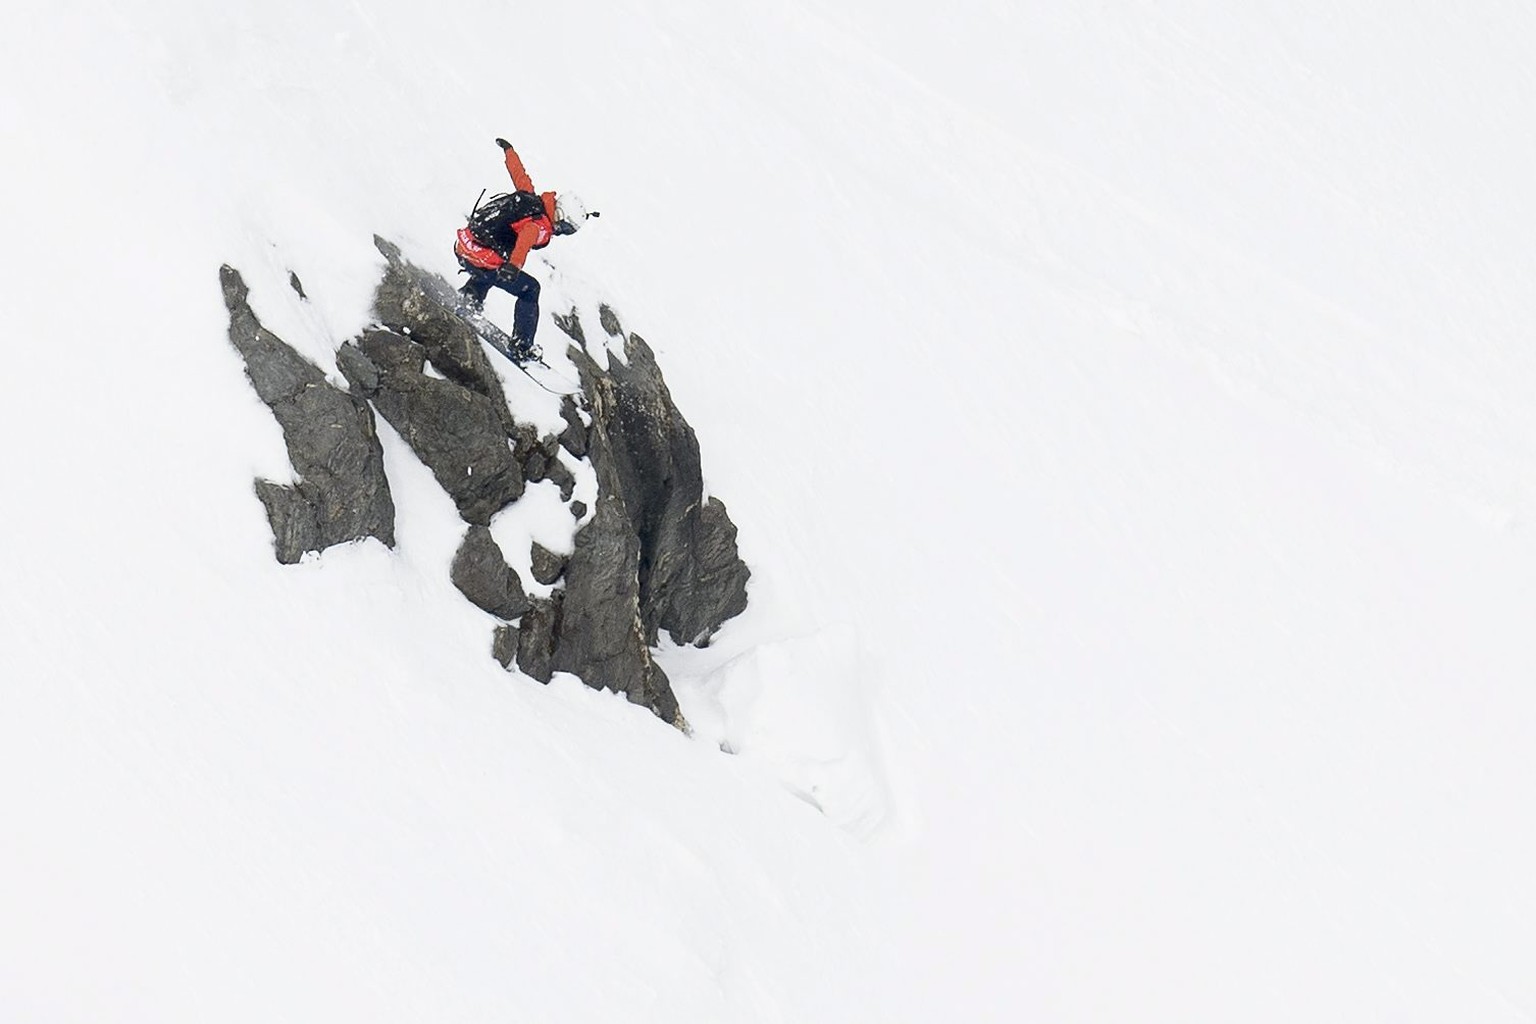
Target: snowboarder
<point x="501" y="232"/>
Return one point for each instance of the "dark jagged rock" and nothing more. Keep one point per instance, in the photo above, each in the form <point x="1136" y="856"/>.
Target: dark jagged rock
<point x="294" y="521"/>
<point x="454" y="430"/>
<point x="547" y="566"/>
<point x="574" y="437"/>
<point x="536" y="639"/>
<point x="420" y="305"/>
<point x="698" y="581"/>
<point x="578" y="510"/>
<point x="536" y="466"/>
<point x="600" y="635"/>
<point x="610" y="321"/>
<point x="296" y="285"/>
<point x="691" y="578"/>
<point x="481" y="573"/>
<point x="559" y="474"/>
<point x="362" y="376"/>
<point x="570" y="323"/>
<point x="341" y="493"/>
<point x="525" y="441"/>
<point x="504" y="645"/>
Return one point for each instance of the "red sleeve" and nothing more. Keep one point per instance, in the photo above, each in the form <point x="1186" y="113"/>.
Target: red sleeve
<point x="527" y="236"/>
<point x="520" y="179"/>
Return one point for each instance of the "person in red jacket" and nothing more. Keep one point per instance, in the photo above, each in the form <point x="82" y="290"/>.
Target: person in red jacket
<point x="501" y="232"/>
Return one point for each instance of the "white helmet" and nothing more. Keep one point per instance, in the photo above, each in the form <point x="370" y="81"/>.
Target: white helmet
<point x="570" y="213"/>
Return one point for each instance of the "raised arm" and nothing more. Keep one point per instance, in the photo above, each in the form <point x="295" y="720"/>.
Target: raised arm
<point x="520" y="179"/>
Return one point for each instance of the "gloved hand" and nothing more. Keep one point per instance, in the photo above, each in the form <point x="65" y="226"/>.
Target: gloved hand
<point x="504" y="144"/>
<point x="507" y="273"/>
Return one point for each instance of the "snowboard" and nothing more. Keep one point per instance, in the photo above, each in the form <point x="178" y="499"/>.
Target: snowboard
<point x="498" y="339"/>
<point x="447" y="298"/>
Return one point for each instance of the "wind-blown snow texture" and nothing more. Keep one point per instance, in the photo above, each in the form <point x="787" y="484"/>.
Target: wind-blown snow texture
<point x="1127" y="413"/>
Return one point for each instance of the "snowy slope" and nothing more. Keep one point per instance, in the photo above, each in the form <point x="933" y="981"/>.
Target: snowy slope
<point x="1125" y="411"/>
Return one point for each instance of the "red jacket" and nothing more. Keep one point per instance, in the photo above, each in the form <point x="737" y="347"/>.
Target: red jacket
<point x="532" y="232"/>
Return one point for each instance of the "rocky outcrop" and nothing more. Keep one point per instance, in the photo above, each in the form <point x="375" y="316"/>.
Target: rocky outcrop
<point x="543" y="463"/>
<point x="413" y="302"/>
<point x="652" y="555"/>
<point x="456" y="431"/>
<point x="600" y="630"/>
<point x="481" y="573"/>
<point x="504" y="645"/>
<point x="547" y="566"/>
<point x="340" y="492"/>
<point x="537" y="637"/>
<point x="690" y="577"/>
<point x="574" y="438"/>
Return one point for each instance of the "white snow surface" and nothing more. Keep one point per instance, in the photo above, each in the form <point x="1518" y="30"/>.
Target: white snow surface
<point x="1127" y="409"/>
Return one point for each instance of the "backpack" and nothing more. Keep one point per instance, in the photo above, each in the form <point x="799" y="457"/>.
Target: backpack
<point x="491" y="222"/>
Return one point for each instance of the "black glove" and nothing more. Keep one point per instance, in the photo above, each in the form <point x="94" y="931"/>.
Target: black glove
<point x="504" y="144"/>
<point x="508" y="273"/>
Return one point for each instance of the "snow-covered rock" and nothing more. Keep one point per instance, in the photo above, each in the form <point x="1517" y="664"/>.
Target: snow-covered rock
<point x="655" y="554"/>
